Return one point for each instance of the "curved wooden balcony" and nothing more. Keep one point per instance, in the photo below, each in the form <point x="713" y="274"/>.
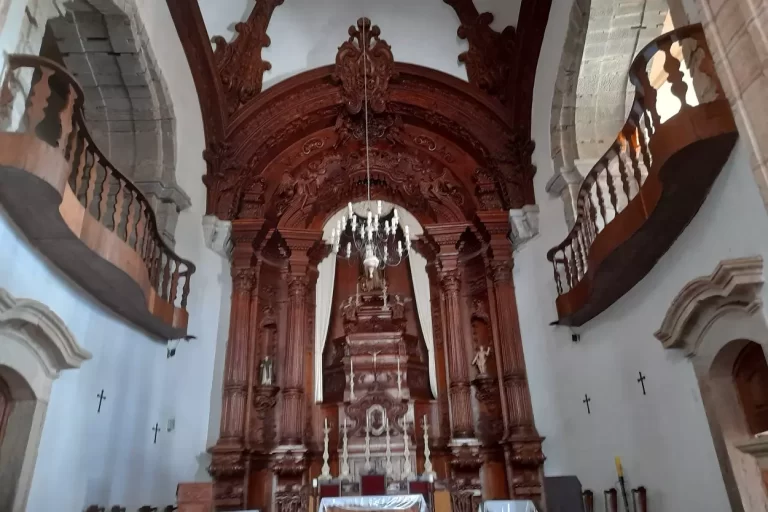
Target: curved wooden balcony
<point x="77" y="209"/>
<point x="639" y="197"/>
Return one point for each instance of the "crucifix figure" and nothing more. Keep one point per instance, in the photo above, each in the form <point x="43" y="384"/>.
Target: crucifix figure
<point x="156" y="429"/>
<point x="641" y="380"/>
<point x="586" y="401"/>
<point x="101" y="396"/>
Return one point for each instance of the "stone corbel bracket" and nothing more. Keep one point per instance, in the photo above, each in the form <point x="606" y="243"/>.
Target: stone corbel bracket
<point x="218" y="235"/>
<point x="524" y="225"/>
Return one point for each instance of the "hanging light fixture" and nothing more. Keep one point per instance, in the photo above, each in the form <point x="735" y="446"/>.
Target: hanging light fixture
<point x="378" y="239"/>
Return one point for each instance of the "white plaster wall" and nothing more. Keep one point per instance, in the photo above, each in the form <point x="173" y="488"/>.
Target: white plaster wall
<point x="662" y="437"/>
<point x="306" y="34"/>
<point x="109" y="458"/>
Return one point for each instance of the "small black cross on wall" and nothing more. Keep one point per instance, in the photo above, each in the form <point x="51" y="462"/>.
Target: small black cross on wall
<point x="586" y="401"/>
<point x="156" y="429"/>
<point x="101" y="396"/>
<point x="641" y="380"/>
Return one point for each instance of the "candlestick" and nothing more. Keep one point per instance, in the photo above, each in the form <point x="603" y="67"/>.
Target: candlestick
<point x="351" y="380"/>
<point x="427" y="462"/>
<point x="367" y="466"/>
<point x="406" y="453"/>
<point x="326" y="469"/>
<point x="388" y="466"/>
<point x="399" y="379"/>
<point x="344" y="454"/>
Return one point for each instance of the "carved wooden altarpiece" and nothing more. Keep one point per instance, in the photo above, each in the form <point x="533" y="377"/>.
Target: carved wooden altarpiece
<point x="457" y="155"/>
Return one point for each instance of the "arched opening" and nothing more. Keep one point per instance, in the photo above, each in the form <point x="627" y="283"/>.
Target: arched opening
<point x="750" y="375"/>
<point x="5" y="407"/>
<point x="35" y="346"/>
<point x="127" y="108"/>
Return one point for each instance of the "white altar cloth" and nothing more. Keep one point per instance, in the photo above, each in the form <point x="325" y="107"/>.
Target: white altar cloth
<point x="507" y="506"/>
<point x="399" y="502"/>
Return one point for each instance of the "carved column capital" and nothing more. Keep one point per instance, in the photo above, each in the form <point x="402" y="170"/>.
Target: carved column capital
<point x="450" y="280"/>
<point x="501" y="272"/>
<point x="297" y="285"/>
<point x="244" y="280"/>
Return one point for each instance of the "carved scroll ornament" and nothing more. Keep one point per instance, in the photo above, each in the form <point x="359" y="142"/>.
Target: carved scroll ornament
<point x="364" y="65"/>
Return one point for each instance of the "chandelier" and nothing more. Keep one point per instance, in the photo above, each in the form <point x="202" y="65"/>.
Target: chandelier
<point x="379" y="240"/>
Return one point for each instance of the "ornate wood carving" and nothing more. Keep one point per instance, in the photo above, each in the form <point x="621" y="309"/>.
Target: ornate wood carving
<point x="353" y="64"/>
<point x="491" y="54"/>
<point x="239" y="63"/>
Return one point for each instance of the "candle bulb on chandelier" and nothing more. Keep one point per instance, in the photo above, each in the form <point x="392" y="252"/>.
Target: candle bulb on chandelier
<point x="379" y="205"/>
<point x="386" y="227"/>
<point x="400" y="248"/>
<point x="349" y="249"/>
<point x="349" y="206"/>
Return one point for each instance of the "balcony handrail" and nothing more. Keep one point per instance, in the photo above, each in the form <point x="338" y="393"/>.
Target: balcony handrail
<point x="632" y="142"/>
<point x="74" y="136"/>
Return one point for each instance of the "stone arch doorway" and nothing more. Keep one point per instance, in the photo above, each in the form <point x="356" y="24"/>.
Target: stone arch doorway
<point x="35" y="346"/>
<point x="719" y="322"/>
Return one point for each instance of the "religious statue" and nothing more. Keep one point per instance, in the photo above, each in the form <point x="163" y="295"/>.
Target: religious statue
<point x="372" y="284"/>
<point x="398" y="308"/>
<point x="349" y="310"/>
<point x="481" y="358"/>
<point x="265" y="371"/>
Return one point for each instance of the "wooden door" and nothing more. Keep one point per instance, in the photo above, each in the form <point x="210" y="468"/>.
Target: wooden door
<point x="750" y="375"/>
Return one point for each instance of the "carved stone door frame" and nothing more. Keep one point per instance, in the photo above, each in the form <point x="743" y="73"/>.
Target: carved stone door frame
<point x="35" y="346"/>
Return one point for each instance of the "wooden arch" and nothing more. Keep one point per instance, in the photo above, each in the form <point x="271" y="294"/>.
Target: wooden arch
<point x="439" y="147"/>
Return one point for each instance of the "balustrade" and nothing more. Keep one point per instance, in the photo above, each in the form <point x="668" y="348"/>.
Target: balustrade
<point x="53" y="112"/>
<point x="616" y="181"/>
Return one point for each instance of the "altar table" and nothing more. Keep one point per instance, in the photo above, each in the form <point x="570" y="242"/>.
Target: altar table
<point x="404" y="503"/>
<point x="507" y="506"/>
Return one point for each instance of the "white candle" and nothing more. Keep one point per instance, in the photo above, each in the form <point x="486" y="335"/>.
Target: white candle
<point x="345" y="424"/>
<point x="349" y="206"/>
<point x="326" y="423"/>
<point x="379" y="207"/>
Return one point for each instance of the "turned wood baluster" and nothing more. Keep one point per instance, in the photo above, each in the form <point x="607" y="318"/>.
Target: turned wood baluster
<point x="90" y="192"/>
<point x="592" y="219"/>
<point x="647" y="157"/>
<point x="576" y="245"/>
<point x="65" y="121"/>
<point x="585" y="249"/>
<point x="146" y="233"/>
<point x="609" y="180"/>
<point x="174" y="282"/>
<point x="117" y="215"/>
<point x="600" y="200"/>
<point x="639" y="77"/>
<point x="80" y="170"/>
<point x="130" y="218"/>
<point x="139" y="242"/>
<point x="38" y="101"/>
<point x="567" y="267"/>
<point x="104" y="195"/>
<point x="166" y="275"/>
<point x="623" y="167"/>
<point x="185" y="290"/>
<point x="558" y="283"/>
<point x="675" y="76"/>
<point x="631" y="142"/>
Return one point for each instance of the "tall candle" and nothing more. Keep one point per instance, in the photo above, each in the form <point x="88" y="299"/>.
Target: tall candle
<point x="619" y="469"/>
<point x="326" y="423"/>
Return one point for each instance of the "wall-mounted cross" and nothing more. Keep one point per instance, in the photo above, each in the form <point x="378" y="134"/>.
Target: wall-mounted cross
<point x="101" y="396"/>
<point x="641" y="380"/>
<point x="586" y="401"/>
<point x="156" y="429"/>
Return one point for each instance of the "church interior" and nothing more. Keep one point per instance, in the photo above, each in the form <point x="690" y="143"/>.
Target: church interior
<point x="367" y="255"/>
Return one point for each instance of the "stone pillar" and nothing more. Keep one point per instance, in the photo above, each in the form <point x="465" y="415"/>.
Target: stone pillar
<point x="300" y="243"/>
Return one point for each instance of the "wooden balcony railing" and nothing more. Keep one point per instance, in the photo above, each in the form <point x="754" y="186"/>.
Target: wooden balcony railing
<point x="645" y="189"/>
<point x="98" y="228"/>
